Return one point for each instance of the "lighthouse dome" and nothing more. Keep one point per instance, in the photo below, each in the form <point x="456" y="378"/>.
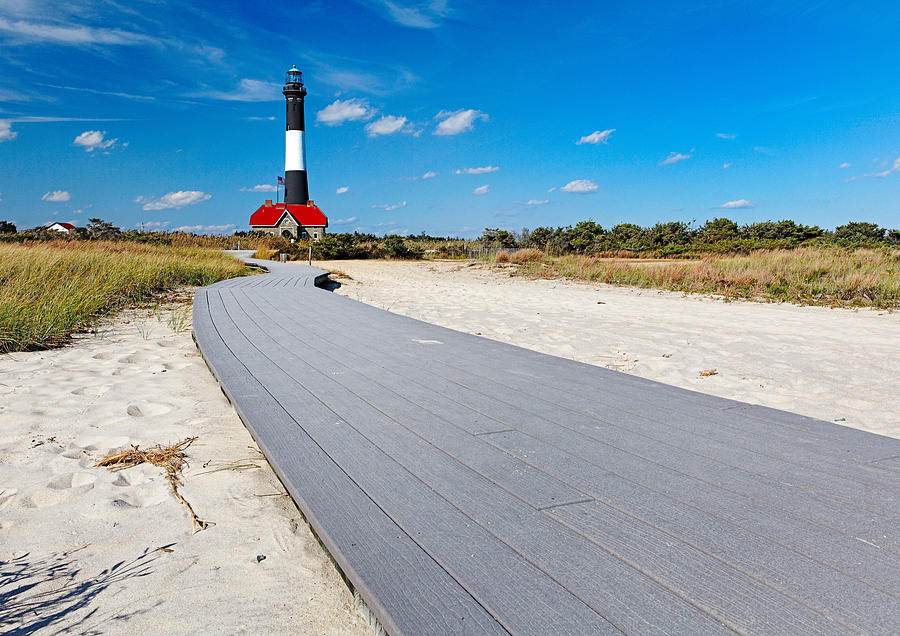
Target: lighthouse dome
<point x="293" y="76"/>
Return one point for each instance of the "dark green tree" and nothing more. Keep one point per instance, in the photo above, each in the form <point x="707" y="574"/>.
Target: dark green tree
<point x="7" y="228"/>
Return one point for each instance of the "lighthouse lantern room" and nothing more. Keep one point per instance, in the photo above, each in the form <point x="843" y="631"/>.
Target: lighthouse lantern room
<point x="298" y="217"/>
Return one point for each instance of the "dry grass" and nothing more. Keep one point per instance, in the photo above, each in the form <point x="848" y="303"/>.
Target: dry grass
<point x="811" y="276"/>
<point x="171" y="459"/>
<point x="50" y="290"/>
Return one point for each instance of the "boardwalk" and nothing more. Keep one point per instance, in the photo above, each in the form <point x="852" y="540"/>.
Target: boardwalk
<point x="469" y="486"/>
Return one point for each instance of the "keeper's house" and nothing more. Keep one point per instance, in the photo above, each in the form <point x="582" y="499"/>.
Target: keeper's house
<point x="290" y="220"/>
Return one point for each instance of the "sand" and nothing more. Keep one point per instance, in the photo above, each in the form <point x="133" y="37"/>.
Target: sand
<point x="834" y="364"/>
<point x="80" y="545"/>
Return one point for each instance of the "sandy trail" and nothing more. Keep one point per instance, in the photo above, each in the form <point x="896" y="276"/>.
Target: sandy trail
<point x="79" y="544"/>
<point x="834" y="364"/>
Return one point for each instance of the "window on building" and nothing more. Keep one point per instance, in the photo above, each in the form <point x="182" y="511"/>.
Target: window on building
<point x="315" y="235"/>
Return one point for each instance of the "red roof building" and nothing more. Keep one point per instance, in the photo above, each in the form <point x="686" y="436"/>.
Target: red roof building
<point x="290" y="220"/>
<point x="62" y="227"/>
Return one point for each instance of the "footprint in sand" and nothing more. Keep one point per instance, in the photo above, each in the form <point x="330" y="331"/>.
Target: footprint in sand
<point x="142" y="496"/>
<point x="149" y="409"/>
<point x="136" y="476"/>
<point x="105" y="355"/>
<point x="139" y="358"/>
<point x="84" y="481"/>
<point x="101" y="445"/>
<point x="91" y="391"/>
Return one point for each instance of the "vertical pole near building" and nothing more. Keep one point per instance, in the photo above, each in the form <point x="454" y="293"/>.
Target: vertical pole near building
<point x="296" y="188"/>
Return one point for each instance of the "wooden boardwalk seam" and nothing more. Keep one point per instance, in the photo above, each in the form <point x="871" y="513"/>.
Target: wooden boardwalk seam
<point x="466" y="486"/>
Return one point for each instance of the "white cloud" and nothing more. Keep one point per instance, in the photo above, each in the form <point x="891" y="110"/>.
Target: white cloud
<point x="271" y="118"/>
<point x="176" y="200"/>
<point x="537" y="201"/>
<point x="247" y="90"/>
<point x="74" y="35"/>
<point x="736" y="205"/>
<point x="674" y="157"/>
<point x="726" y="135"/>
<point x="342" y="190"/>
<point x="424" y="16"/>
<point x="880" y="175"/>
<point x="596" y="137"/>
<point x="262" y="187"/>
<point x="153" y="225"/>
<point x="844" y="165"/>
<point x="482" y="189"/>
<point x="339" y="111"/>
<point x="206" y="229"/>
<point x="429" y="175"/>
<point x="549" y="190"/>
<point x="92" y="140"/>
<point x="6" y="131"/>
<point x="390" y="206"/>
<point x="482" y="170"/>
<point x="456" y="122"/>
<point x="726" y="166"/>
<point x="386" y="125"/>
<point x="57" y="196"/>
<point x="352" y="219"/>
<point x="580" y="186"/>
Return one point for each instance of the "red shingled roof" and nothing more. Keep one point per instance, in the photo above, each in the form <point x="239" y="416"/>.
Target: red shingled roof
<point x="306" y="215"/>
<point x="68" y="226"/>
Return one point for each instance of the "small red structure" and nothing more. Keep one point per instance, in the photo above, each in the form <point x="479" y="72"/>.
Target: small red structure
<point x="62" y="227"/>
<point x="290" y="220"/>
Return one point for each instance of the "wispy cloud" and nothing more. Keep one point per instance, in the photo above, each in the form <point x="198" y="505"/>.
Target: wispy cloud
<point x="580" y="186"/>
<point x="247" y="90"/>
<point x="482" y="170"/>
<point x="429" y="175"/>
<point x="175" y="200"/>
<point x="93" y="91"/>
<point x="674" y="157"/>
<point x="57" y="196"/>
<point x="844" y="165"/>
<point x="74" y="35"/>
<point x="6" y="131"/>
<point x="482" y="189"/>
<point x="207" y="229"/>
<point x="352" y="219"/>
<point x="270" y="118"/>
<point x="537" y="202"/>
<point x="726" y="166"/>
<point x="387" y="125"/>
<point x="262" y="187"/>
<point x="387" y="207"/>
<point x="726" y="135"/>
<point x="92" y="140"/>
<point x="458" y="121"/>
<point x="737" y="205"/>
<point x="341" y="110"/>
<point x="879" y="175"/>
<point x="596" y="137"/>
<point x="342" y="190"/>
<point x="421" y="15"/>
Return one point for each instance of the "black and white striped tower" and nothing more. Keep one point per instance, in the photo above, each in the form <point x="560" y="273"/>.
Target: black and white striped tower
<point x="296" y="188"/>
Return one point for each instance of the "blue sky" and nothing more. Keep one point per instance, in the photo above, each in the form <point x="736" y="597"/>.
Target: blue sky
<point x="451" y="116"/>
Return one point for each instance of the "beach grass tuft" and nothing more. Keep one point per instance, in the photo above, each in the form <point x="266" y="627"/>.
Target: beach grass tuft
<point x="52" y="289"/>
<point x="830" y="276"/>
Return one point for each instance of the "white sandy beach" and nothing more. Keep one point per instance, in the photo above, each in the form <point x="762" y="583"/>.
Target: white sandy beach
<point x="834" y="364"/>
<point x="80" y="544"/>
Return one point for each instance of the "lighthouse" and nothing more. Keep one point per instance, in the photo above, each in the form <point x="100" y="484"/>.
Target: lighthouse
<point x="296" y="188"/>
<point x="298" y="217"/>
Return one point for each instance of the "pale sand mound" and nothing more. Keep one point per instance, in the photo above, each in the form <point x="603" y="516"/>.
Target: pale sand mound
<point x="79" y="543"/>
<point x="838" y="365"/>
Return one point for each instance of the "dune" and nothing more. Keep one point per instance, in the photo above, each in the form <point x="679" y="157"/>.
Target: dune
<point x="86" y="549"/>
